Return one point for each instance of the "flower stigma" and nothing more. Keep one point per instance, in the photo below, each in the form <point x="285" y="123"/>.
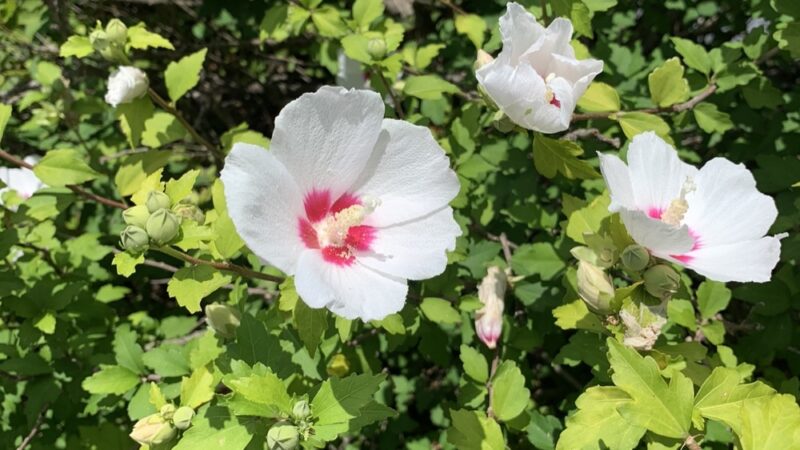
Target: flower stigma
<point x="678" y="207"/>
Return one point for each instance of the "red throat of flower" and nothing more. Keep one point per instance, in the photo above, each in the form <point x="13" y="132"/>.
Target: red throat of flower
<point x="554" y="101"/>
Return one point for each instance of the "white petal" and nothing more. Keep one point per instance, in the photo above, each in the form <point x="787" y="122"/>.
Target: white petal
<point x="555" y="42"/>
<point x="618" y="180"/>
<point x="414" y="250"/>
<point x="520" y="31"/>
<point x="662" y="239"/>
<point x="726" y="206"/>
<point x="326" y="138"/>
<point x="265" y="204"/>
<point x="22" y="180"/>
<point x="409" y="173"/>
<point x="578" y="73"/>
<point x="743" y="261"/>
<point x="550" y="118"/>
<point x="657" y="174"/>
<point x="352" y="291"/>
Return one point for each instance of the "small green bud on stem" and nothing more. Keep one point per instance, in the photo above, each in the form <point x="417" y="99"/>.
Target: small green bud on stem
<point x="635" y="258"/>
<point x="661" y="281"/>
<point x="163" y="226"/>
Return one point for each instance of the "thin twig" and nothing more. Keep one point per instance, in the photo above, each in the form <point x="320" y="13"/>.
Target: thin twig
<point x="398" y="107"/>
<point x="545" y="18"/>
<point x="216" y="152"/>
<point x="74" y="188"/>
<point x="506" y="244"/>
<point x="680" y="107"/>
<point x="25" y="442"/>
<point x="691" y="444"/>
<point x="591" y="132"/>
<point x="225" y="266"/>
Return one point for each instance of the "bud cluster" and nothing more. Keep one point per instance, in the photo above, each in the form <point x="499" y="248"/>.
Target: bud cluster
<point x="163" y="426"/>
<point x="110" y="41"/>
<point x="287" y="434"/>
<point x="153" y="223"/>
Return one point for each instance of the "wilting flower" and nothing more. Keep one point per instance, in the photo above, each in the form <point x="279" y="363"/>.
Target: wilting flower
<point x="536" y="80"/>
<point x="125" y="85"/>
<point x="595" y="287"/>
<point x="348" y="202"/>
<point x="489" y="319"/>
<point x="711" y="220"/>
<point x="21" y="180"/>
<point x="153" y="430"/>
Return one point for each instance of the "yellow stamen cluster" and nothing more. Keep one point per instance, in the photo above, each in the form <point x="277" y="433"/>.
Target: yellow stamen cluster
<point x="332" y="231"/>
<point x="678" y="207"/>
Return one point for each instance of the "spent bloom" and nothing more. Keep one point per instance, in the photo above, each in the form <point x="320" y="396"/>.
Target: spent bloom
<point x="126" y="84"/>
<point x="348" y="202"/>
<point x="22" y="180"/>
<point x="489" y="319"/>
<point x="712" y="220"/>
<point x="536" y="80"/>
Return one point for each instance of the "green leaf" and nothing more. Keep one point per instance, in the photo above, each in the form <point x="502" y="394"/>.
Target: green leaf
<point x="156" y="397"/>
<point x="588" y="219"/>
<point x="721" y="397"/>
<point x="576" y="316"/>
<point x="339" y="400"/>
<point x="127" y="351"/>
<point x="111" y="380"/>
<point x="167" y="360"/>
<point x="190" y="285"/>
<point x="140" y="38"/>
<point x="181" y="76"/>
<point x="598" y="425"/>
<point x="263" y="389"/>
<point x="161" y="129"/>
<point x="694" y="55"/>
<point x="179" y="189"/>
<point x="132" y="119"/>
<point x="471" y="430"/>
<point x="633" y="123"/>
<point x="475" y="364"/>
<point x="254" y="344"/>
<point x="682" y="313"/>
<point x="311" y="325"/>
<point x="428" y="87"/>
<point x="711" y="119"/>
<point x="198" y="388"/>
<point x="557" y="155"/>
<point x="440" y="310"/>
<point x="788" y="37"/>
<point x="661" y="408"/>
<point x="599" y="97"/>
<point x="509" y="394"/>
<point x="5" y="114"/>
<point x="328" y="21"/>
<point x="216" y="429"/>
<point x="126" y="263"/>
<point x="771" y="423"/>
<point x="78" y="46"/>
<point x="667" y="85"/>
<point x="712" y="297"/>
<point x="537" y="259"/>
<point x="473" y="26"/>
<point x="366" y="11"/>
<point x="355" y="47"/>
<point x="63" y="167"/>
<point x="46" y="323"/>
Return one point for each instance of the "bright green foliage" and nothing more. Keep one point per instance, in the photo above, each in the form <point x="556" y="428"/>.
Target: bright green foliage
<point x="551" y="156"/>
<point x="599" y="97"/>
<point x="181" y="76"/>
<point x="667" y="85"/>
<point x="474" y="431"/>
<point x="509" y="395"/>
<point x="63" y="167"/>
<point x="598" y="424"/>
<point x="428" y="87"/>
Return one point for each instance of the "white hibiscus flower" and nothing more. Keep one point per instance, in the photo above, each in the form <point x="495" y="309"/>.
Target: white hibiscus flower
<point x="348" y="202"/>
<point x="536" y="80"/>
<point x="711" y="220"/>
<point x="21" y="180"/>
<point x="126" y="84"/>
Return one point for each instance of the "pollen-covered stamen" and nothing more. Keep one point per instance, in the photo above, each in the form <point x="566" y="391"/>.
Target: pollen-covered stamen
<point x="333" y="230"/>
<point x="549" y="95"/>
<point x="678" y="207"/>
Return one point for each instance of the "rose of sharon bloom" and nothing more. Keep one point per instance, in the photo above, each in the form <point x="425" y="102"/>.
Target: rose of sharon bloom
<point x="711" y="220"/>
<point x="348" y="202"/>
<point x="536" y="80"/>
<point x="489" y="319"/>
<point x="21" y="180"/>
<point x="126" y="84"/>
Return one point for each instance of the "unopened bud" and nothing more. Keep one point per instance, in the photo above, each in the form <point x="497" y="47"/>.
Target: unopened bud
<point x="283" y="436"/>
<point x="116" y="32"/>
<point x="189" y="211"/>
<point x="136" y="215"/>
<point x="153" y="430"/>
<point x="167" y="411"/>
<point x="635" y="258"/>
<point x="99" y="39"/>
<point x="157" y="200"/>
<point x="489" y="319"/>
<point x="338" y="366"/>
<point x="376" y="48"/>
<point x="482" y="59"/>
<point x="163" y="226"/>
<point x="595" y="287"/>
<point x="182" y="418"/>
<point x="301" y="410"/>
<point x="223" y="319"/>
<point x="134" y="239"/>
<point x="661" y="281"/>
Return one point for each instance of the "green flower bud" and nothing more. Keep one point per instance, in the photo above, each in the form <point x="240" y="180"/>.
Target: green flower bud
<point x="167" y="411"/>
<point x="661" y="281"/>
<point x="376" y="48"/>
<point x="157" y="200"/>
<point x="301" y="410"/>
<point x="190" y="212"/>
<point x="99" y="39"/>
<point x="116" y="32"/>
<point x="223" y="319"/>
<point x="182" y="418"/>
<point x="134" y="239"/>
<point x="595" y="287"/>
<point x="136" y="215"/>
<point x="163" y="226"/>
<point x="635" y="258"/>
<point x="153" y="430"/>
<point x="283" y="436"/>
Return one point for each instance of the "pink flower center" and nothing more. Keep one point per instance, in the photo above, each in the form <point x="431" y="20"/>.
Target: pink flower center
<point x="657" y="213"/>
<point x="335" y="227"/>
<point x="554" y="101"/>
